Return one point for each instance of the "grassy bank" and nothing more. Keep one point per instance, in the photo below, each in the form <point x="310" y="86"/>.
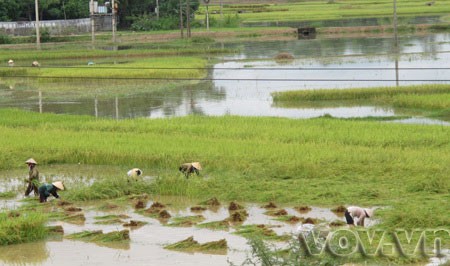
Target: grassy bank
<point x="318" y="162"/>
<point x="434" y="97"/>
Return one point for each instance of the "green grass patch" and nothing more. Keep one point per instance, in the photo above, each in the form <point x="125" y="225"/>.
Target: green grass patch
<point x="22" y="227"/>
<point x="360" y="93"/>
<point x="186" y="221"/>
<point x="215" y="225"/>
<point x="114" y="187"/>
<point x="99" y="236"/>
<point x="325" y="162"/>
<point x="260" y="231"/>
<point x="111" y="219"/>
<point x="151" y="68"/>
<point x="112" y="216"/>
<point x="8" y="194"/>
<point x="431" y="98"/>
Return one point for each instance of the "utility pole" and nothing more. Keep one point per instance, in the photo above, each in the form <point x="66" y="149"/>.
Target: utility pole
<point x="38" y="35"/>
<point x="157" y="9"/>
<point x="91" y="9"/>
<point x="113" y="20"/>
<point x="395" y="25"/>
<point x="396" y="42"/>
<point x="188" y="18"/>
<point x="207" y="14"/>
<point x="181" y="20"/>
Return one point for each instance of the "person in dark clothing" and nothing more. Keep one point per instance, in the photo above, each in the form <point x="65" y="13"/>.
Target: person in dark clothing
<point x="50" y="189"/>
<point x="189" y="168"/>
<point x="33" y="177"/>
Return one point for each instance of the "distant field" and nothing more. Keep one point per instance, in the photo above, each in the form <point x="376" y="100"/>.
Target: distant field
<point x="264" y="11"/>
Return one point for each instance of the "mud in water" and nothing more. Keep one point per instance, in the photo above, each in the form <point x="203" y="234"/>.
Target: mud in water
<point x="155" y="226"/>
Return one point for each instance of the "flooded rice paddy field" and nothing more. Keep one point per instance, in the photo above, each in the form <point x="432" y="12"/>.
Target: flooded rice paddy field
<point x="152" y="233"/>
<point x="242" y="83"/>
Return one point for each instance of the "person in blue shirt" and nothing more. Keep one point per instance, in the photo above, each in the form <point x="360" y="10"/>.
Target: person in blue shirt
<point x="50" y="189"/>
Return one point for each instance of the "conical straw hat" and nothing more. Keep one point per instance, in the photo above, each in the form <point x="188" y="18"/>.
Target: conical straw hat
<point x="134" y="172"/>
<point x="369" y="212"/>
<point x="58" y="184"/>
<point x="31" y="160"/>
<point x="197" y="165"/>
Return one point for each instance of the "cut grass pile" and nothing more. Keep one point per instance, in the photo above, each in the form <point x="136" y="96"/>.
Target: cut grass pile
<point x="186" y="221"/>
<point x="191" y="245"/>
<point x="99" y="236"/>
<point x="260" y="231"/>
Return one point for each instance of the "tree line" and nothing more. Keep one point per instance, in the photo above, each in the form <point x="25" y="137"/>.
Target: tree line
<point x="132" y="14"/>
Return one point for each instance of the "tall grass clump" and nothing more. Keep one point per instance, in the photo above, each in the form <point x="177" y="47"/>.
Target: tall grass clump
<point x="22" y="227"/>
<point x="109" y="188"/>
<point x="5" y="39"/>
<point x="359" y="93"/>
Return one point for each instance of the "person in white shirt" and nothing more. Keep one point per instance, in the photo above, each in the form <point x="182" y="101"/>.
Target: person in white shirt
<point x="353" y="212"/>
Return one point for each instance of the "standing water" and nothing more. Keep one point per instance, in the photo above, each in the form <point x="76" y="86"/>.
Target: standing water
<point x="242" y="83"/>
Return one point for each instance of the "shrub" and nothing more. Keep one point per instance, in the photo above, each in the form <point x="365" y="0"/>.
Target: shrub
<point x="5" y="39"/>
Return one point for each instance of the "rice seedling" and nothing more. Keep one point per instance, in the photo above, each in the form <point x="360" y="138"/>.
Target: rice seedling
<point x="260" y="231"/>
<point x="8" y="194"/>
<point x="191" y="245"/>
<point x="134" y="224"/>
<point x="292" y="219"/>
<point x="329" y="162"/>
<point x="114" y="187"/>
<point x="25" y="227"/>
<point x="215" y="225"/>
<point x="111" y="219"/>
<point x="100" y="237"/>
<point x="186" y="221"/>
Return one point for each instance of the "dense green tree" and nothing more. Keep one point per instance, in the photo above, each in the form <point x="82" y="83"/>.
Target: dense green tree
<point x="129" y="11"/>
<point x="142" y="16"/>
<point x="8" y="10"/>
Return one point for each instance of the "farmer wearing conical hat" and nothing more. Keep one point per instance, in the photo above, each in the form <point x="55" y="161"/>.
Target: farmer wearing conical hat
<point x="135" y="172"/>
<point x="353" y="212"/>
<point x="189" y="168"/>
<point x="33" y="177"/>
<point x="50" y="189"/>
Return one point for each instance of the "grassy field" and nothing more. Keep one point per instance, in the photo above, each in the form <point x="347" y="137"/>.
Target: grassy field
<point x="324" y="162"/>
<point x="324" y="10"/>
<point x="151" y="68"/>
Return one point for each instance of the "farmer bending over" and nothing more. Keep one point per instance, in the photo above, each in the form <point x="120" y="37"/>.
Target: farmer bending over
<point x="189" y="168"/>
<point x="353" y="212"/>
<point x="50" y="189"/>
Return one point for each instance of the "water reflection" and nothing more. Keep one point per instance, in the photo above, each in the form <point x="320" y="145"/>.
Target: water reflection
<point x="24" y="254"/>
<point x="242" y="83"/>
